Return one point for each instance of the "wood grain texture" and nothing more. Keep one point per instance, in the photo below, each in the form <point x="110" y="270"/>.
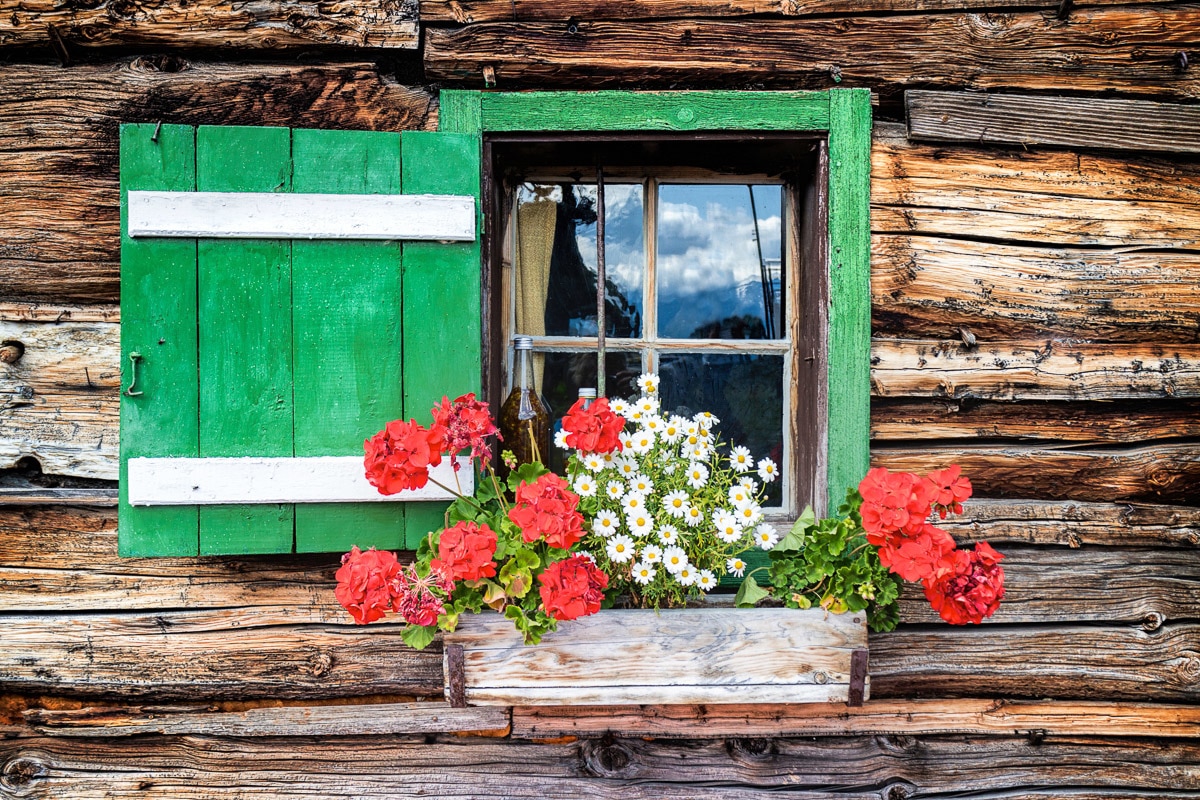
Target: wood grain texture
<point x="933" y="286"/>
<point x="1051" y="198"/>
<point x="850" y="768"/>
<point x="1129" y="49"/>
<point x="1074" y="524"/>
<point x="258" y="25"/>
<point x="58" y="145"/>
<point x="1033" y="370"/>
<point x="1163" y="473"/>
<point x="909" y="717"/>
<point x="1095" y="123"/>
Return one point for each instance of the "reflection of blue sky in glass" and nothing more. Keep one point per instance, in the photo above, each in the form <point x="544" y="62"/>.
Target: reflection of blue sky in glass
<point x="708" y="262"/>
<point x="624" y="253"/>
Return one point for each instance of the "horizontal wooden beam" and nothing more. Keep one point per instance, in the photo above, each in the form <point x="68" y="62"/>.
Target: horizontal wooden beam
<point x="1075" y="122"/>
<point x="910" y="717"/>
<point x="264" y="215"/>
<point x="1073" y="524"/>
<point x="317" y="479"/>
<point x="41" y="496"/>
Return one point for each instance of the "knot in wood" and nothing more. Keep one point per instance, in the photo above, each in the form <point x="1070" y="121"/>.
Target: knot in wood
<point x="750" y="749"/>
<point x="896" y="742"/>
<point x="1153" y="620"/>
<point x="20" y="772"/>
<point x="11" y="351"/>
<point x="159" y="63"/>
<point x="898" y="791"/>
<point x="1190" y="670"/>
<point x="320" y="663"/>
<point x="606" y="758"/>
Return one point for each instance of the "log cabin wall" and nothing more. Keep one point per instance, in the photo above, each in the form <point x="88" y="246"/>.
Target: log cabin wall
<point x="1035" y="319"/>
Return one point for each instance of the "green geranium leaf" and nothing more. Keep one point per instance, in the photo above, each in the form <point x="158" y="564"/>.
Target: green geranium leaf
<point x="418" y="637"/>
<point x="526" y="473"/>
<point x="749" y="593"/>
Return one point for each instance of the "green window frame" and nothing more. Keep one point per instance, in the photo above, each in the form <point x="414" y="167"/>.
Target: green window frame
<point x="842" y="116"/>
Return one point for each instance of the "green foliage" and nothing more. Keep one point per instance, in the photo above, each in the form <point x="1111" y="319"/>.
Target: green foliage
<point x="418" y="637"/>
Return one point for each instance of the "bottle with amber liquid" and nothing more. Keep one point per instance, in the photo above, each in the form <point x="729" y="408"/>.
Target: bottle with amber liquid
<point x="524" y="417"/>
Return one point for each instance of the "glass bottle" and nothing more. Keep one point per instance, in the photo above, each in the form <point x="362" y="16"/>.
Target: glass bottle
<point x="524" y="417"/>
<point x="587" y="395"/>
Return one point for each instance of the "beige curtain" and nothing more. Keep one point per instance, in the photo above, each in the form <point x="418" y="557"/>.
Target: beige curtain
<point x="535" y="242"/>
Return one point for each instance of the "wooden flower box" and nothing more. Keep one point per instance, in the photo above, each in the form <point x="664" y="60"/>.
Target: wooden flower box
<point x="685" y="656"/>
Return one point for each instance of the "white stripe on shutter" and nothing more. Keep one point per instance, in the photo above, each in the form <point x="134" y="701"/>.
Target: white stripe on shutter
<point x="264" y="215"/>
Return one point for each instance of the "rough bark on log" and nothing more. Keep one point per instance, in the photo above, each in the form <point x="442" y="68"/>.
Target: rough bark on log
<point x="1127" y="49"/>
<point x="909" y="717"/>
<point x="259" y="25"/>
<point x="1053" y="198"/>
<point x="1057" y="121"/>
<point x="1075" y="524"/>
<point x="925" y="286"/>
<point x="1033" y="370"/>
<point x="1100" y="422"/>
<point x="1164" y="473"/>
<point x="852" y="768"/>
<point x="58" y="144"/>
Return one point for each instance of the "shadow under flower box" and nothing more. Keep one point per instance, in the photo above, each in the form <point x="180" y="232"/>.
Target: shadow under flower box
<point x="684" y="656"/>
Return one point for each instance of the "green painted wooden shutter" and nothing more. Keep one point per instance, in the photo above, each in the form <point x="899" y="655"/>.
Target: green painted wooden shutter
<point x="286" y="347"/>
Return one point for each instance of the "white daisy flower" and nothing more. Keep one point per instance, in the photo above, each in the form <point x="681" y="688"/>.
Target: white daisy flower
<point x="668" y="535"/>
<point x="593" y="463"/>
<point x="623" y="437"/>
<point x="676" y="503"/>
<point x="739" y="496"/>
<point x="740" y="459"/>
<point x="628" y="467"/>
<point x="693" y="516"/>
<point x="697" y="475"/>
<point x="560" y="439"/>
<point x="641" y="484"/>
<point x="706" y="420"/>
<point x="672" y="430"/>
<point x="706" y="580"/>
<point x="585" y="486"/>
<point x="748" y="483"/>
<point x="641" y="442"/>
<point x="586" y="555"/>
<point x="634" y="503"/>
<point x="648" y="405"/>
<point x="735" y="567"/>
<point x="698" y="453"/>
<point x="615" y="490"/>
<point x="609" y="459"/>
<point x="728" y="529"/>
<point x="651" y="554"/>
<point x="674" y="559"/>
<point x="749" y="514"/>
<point x="619" y="406"/>
<point x="620" y="549"/>
<point x="648" y="383"/>
<point x="606" y="523"/>
<point x="686" y="575"/>
<point x="765" y="536"/>
<point x="691" y="428"/>
<point x="654" y="424"/>
<point x="636" y="415"/>
<point x="691" y="440"/>
<point x="643" y="573"/>
<point x="767" y="470"/>
<point x="640" y="524"/>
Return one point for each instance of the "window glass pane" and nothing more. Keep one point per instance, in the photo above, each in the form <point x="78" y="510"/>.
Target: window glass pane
<point x="719" y="257"/>
<point x="556" y="259"/>
<point x="565" y="373"/>
<point x="744" y="391"/>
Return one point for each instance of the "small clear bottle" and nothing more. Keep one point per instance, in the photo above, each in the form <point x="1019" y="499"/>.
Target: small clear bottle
<point x="525" y="417"/>
<point x="587" y="394"/>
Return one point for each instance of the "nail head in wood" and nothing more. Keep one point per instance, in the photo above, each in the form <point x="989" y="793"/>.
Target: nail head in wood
<point x="858" y="677"/>
<point x="456" y="679"/>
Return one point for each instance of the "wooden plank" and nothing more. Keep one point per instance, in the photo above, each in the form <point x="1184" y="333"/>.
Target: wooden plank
<point x="346" y="300"/>
<point x="158" y="339"/>
<point x="245" y="321"/>
<point x="1052" y="198"/>
<point x="259" y="215"/>
<point x="442" y="294"/>
<point x="39" y="496"/>
<point x="1074" y="524"/>
<point x="316" y="479"/>
<point x="698" y="655"/>
<point x="848" y="768"/>
<point x="58" y="141"/>
<point x="17" y="311"/>
<point x="1099" y="422"/>
<point x="59" y="401"/>
<point x="1033" y="370"/>
<point x="1075" y="122"/>
<point x="910" y="717"/>
<point x="259" y="25"/>
<point x="929" y="286"/>
<point x="1127" y="49"/>
<point x="367" y="719"/>
<point x="1155" y="473"/>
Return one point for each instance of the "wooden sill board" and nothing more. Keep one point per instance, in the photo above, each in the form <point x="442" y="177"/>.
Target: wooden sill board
<point x="685" y="656"/>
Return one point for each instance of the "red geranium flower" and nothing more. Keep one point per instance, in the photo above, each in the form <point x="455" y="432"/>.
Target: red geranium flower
<point x="366" y="583"/>
<point x="465" y="552"/>
<point x="572" y="588"/>
<point x="950" y="490"/>
<point x="971" y="589"/>
<point x="595" y="429"/>
<point x="546" y="509"/>
<point x="465" y="424"/>
<point x="894" y="501"/>
<point x="915" y="558"/>
<point x="398" y="457"/>
<point x="416" y="599"/>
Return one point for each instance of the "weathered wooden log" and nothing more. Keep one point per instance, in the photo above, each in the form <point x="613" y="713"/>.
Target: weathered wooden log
<point x="368" y="719"/>
<point x="262" y="24"/>
<point x="852" y="768"/>
<point x="1102" y="422"/>
<point x="1074" y="524"/>
<point x="1164" y="473"/>
<point x="29" y="495"/>
<point x="1054" y="198"/>
<point x="1129" y="49"/>
<point x="925" y="286"/>
<point x="909" y="717"/>
<point x="58" y="142"/>
<point x="970" y="117"/>
<point x="471" y="11"/>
